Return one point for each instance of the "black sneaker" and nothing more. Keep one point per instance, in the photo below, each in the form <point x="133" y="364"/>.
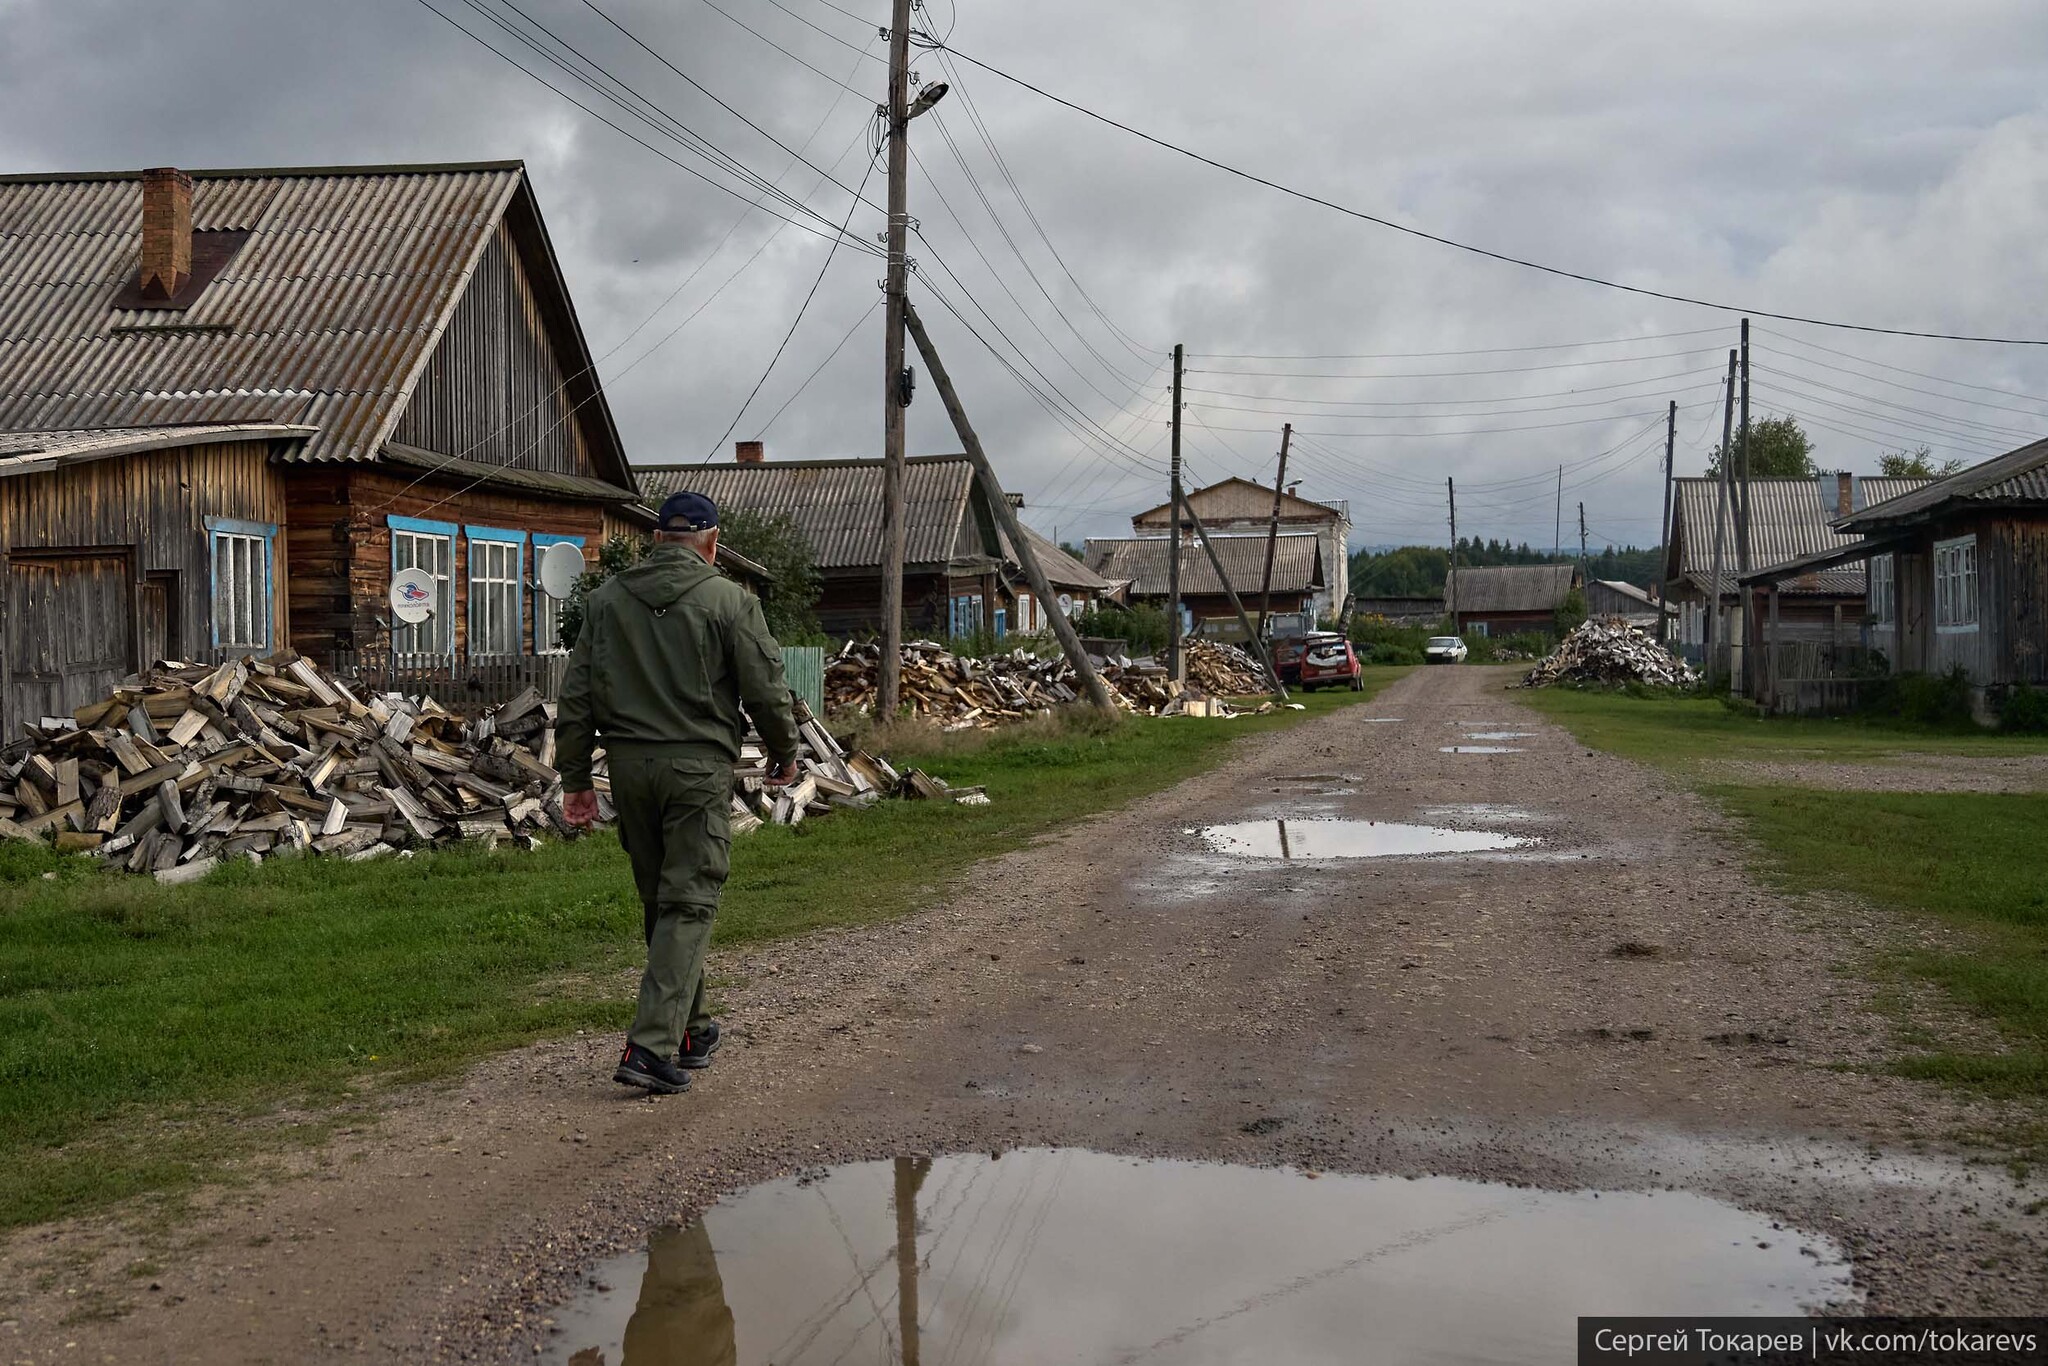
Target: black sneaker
<point x="650" y="1072"/>
<point x="698" y="1046"/>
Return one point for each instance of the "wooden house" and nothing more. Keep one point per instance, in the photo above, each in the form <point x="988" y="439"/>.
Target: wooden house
<point x="1959" y="572"/>
<point x="1299" y="575"/>
<point x="1234" y="507"/>
<point x="1499" y="600"/>
<point x="233" y="403"/>
<point x="954" y="568"/>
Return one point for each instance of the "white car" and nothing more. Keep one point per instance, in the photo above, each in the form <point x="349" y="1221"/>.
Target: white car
<point x="1444" y="650"/>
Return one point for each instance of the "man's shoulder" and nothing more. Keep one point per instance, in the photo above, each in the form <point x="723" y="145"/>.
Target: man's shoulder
<point x="724" y="596"/>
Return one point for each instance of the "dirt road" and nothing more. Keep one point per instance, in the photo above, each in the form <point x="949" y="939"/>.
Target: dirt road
<point x="1617" y="1005"/>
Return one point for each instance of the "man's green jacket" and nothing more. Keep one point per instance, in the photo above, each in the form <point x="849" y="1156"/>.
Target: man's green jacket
<point x="669" y="652"/>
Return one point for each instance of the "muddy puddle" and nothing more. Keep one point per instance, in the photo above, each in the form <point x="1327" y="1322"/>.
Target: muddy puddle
<point x="1333" y="839"/>
<point x="1065" y="1256"/>
<point x="1500" y="735"/>
<point x="1481" y="749"/>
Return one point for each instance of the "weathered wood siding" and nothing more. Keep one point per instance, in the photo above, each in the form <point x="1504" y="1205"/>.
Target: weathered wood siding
<point x="341" y="582"/>
<point x="2012" y="609"/>
<point x="495" y="390"/>
<point x="148" y="513"/>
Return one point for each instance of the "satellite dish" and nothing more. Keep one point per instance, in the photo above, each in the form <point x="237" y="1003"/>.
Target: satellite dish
<point x="1066" y="604"/>
<point x="412" y="595"/>
<point x="561" y="564"/>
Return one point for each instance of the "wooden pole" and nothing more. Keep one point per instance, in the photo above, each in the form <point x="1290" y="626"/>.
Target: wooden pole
<point x="1173" y="650"/>
<point x="1743" y="533"/>
<point x="1258" y="646"/>
<point x="1070" y="641"/>
<point x="1582" y="542"/>
<point x="1451" y="567"/>
<point x="1664" y="525"/>
<point x="1273" y="531"/>
<point x="1716" y="632"/>
<point x="910" y="1174"/>
<point x="895" y="518"/>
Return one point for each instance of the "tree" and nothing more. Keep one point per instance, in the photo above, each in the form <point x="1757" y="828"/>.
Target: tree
<point x="617" y="553"/>
<point x="775" y="543"/>
<point x="1571" y="611"/>
<point x="1915" y="464"/>
<point x="1779" y="448"/>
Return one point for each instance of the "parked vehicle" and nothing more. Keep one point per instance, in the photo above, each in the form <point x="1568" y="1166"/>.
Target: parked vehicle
<point x="1328" y="661"/>
<point x="1287" y="636"/>
<point x="1444" y="650"/>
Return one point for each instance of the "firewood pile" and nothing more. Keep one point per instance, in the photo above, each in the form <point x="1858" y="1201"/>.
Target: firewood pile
<point x="960" y="693"/>
<point x="1610" y="653"/>
<point x="190" y="765"/>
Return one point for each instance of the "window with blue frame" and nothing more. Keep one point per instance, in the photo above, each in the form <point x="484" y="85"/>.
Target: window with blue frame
<point x="547" y="611"/>
<point x="964" y="618"/>
<point x="243" y="582"/>
<point x="429" y="547"/>
<point x="497" y="585"/>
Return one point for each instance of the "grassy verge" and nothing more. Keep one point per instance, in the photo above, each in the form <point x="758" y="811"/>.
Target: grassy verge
<point x="146" y="1031"/>
<point x="1972" y="859"/>
<point x="1678" y="730"/>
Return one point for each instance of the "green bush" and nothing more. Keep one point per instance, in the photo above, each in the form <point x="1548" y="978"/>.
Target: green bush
<point x="1143" y="625"/>
<point x="1937" y="700"/>
<point x="2024" y="710"/>
<point x="1571" y="611"/>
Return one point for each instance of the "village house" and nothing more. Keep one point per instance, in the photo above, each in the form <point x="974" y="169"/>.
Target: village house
<point x="1299" y="582"/>
<point x="1238" y="508"/>
<point x="1500" y="600"/>
<point x="960" y="574"/>
<point x="1790" y="520"/>
<point x="1958" y="573"/>
<point x="234" y="403"/>
<point x="1610" y="598"/>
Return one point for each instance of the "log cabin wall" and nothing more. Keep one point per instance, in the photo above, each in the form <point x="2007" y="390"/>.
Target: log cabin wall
<point x="118" y="552"/>
<point x="495" y="391"/>
<point x="341" y="565"/>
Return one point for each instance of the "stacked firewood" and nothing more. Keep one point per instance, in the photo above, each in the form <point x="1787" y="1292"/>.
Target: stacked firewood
<point x="189" y="765"/>
<point x="959" y="692"/>
<point x="1610" y="653"/>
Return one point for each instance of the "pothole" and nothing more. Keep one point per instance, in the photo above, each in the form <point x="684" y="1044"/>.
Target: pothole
<point x="1056" y="1255"/>
<point x="1333" y="839"/>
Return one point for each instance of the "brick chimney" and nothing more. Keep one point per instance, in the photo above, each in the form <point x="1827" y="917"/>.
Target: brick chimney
<point x="1845" y="493"/>
<point x="166" y="231"/>
<point x="749" y="452"/>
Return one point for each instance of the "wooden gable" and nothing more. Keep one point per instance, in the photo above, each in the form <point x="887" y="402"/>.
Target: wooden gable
<point x="1237" y="499"/>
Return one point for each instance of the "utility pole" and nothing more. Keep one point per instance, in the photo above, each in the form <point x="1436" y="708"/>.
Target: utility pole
<point x="895" y="530"/>
<point x="1716" y="633"/>
<point x="1273" y="531"/>
<point x="1451" y="569"/>
<point x="1006" y="517"/>
<point x="1259" y="649"/>
<point x="1557" y="525"/>
<point x="1664" y="525"/>
<point x="1743" y="544"/>
<point x="910" y="1175"/>
<point x="1173" y="660"/>
<point x="1582" y="541"/>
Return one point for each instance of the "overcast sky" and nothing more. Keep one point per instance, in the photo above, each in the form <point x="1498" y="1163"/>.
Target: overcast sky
<point x="1882" y="163"/>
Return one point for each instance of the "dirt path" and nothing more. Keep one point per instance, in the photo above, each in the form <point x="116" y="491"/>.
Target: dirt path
<point x="1618" y="1005"/>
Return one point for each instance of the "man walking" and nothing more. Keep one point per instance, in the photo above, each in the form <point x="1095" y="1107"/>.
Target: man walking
<point x="669" y="652"/>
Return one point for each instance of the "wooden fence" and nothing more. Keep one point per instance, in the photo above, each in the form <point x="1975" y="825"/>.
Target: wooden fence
<point x="456" y="680"/>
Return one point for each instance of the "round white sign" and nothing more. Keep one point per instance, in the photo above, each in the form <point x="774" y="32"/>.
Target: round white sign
<point x="561" y="564"/>
<point x="412" y="595"/>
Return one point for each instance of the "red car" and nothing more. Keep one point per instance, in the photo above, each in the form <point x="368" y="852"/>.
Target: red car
<point x="1330" y="662"/>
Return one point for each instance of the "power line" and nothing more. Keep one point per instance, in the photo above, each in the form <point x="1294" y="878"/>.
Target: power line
<point x="1461" y="374"/>
<point x="1439" y="239"/>
<point x="829" y="358"/>
<point x="1901" y="370"/>
<point x="1430" y="355"/>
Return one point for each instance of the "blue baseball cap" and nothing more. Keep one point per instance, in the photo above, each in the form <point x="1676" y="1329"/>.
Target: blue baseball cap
<point x="687" y="511"/>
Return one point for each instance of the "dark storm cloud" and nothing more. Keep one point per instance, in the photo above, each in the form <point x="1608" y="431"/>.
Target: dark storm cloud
<point x="1885" y="163"/>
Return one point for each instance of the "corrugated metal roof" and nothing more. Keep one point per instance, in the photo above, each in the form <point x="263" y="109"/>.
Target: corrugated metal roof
<point x="1061" y="569"/>
<point x="1236" y="498"/>
<point x="506" y="476"/>
<point x="1512" y="587"/>
<point x="1297" y="563"/>
<point x="2018" y="476"/>
<point x="1789" y="520"/>
<point x="837" y="504"/>
<point x="29" y="452"/>
<point x="320" y="319"/>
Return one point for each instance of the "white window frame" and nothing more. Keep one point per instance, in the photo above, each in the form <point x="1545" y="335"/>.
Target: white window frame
<point x="497" y="586"/>
<point x="1955" y="585"/>
<point x="435" y="635"/>
<point x="242" y="558"/>
<point x="1884" y="590"/>
<point x="547" y="611"/>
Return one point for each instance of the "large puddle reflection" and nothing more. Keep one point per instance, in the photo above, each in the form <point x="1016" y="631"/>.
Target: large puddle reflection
<point x="1065" y="1256"/>
<point x="1282" y="839"/>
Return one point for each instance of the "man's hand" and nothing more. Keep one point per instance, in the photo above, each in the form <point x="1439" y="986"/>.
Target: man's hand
<point x="580" y="808"/>
<point x="784" y="776"/>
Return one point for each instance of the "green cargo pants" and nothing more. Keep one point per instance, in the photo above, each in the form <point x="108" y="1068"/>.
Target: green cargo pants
<point x="674" y="819"/>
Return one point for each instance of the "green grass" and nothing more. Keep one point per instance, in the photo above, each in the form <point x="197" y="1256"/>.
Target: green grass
<point x="1973" y="859"/>
<point x="149" y="1034"/>
<point x="1674" y="731"/>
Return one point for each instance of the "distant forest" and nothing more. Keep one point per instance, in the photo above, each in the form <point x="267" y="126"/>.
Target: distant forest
<point x="1416" y="571"/>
